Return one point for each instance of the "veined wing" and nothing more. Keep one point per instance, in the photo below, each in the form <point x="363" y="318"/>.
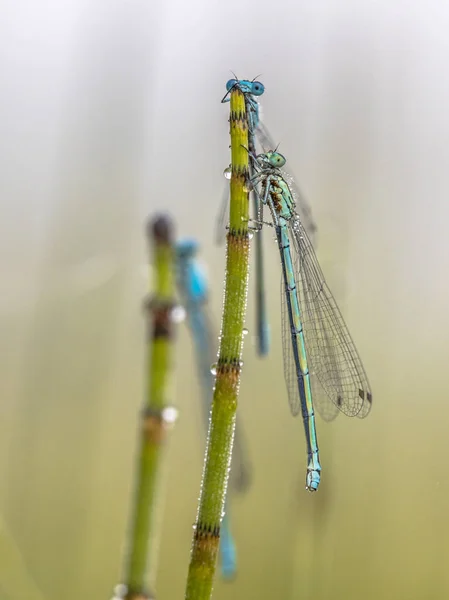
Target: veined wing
<point x="222" y="217"/>
<point x="241" y="472"/>
<point x="290" y="368"/>
<point x="290" y="363"/>
<point x="326" y="408"/>
<point x="331" y="353"/>
<point x="305" y="212"/>
<point x="221" y="221"/>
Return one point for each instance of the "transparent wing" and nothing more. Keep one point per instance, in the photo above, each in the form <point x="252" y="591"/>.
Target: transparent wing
<point x="221" y="221"/>
<point x="305" y="211"/>
<point x="290" y="369"/>
<point x="325" y="407"/>
<point x="200" y="323"/>
<point x="241" y="471"/>
<point x="264" y="138"/>
<point x="332" y="356"/>
<point x="222" y="217"/>
<point x="328" y="410"/>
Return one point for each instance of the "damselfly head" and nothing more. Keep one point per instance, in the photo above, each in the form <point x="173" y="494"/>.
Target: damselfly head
<point x="186" y="247"/>
<point x="276" y="159"/>
<point x="271" y="159"/>
<point x="256" y="88"/>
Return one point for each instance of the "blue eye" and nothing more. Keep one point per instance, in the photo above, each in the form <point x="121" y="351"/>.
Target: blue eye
<point x="257" y="88"/>
<point x="277" y="160"/>
<point x="231" y="83"/>
<point x="187" y="247"/>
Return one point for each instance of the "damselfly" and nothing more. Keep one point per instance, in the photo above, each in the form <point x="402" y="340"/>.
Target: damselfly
<point x="321" y="362"/>
<point x="193" y="288"/>
<point x="257" y="130"/>
<point x="250" y="89"/>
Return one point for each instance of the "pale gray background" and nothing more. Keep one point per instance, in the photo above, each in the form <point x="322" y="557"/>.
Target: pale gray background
<point x="110" y="111"/>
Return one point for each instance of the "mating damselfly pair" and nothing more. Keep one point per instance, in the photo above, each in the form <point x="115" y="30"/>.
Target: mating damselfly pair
<point x="258" y="131"/>
<point x="322" y="367"/>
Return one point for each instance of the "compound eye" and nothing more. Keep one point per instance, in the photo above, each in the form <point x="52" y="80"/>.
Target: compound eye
<point x="187" y="247"/>
<point x="277" y="160"/>
<point x="230" y="84"/>
<point x="257" y="88"/>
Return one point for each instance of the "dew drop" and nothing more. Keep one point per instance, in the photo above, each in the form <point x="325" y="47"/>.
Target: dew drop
<point x="213" y="369"/>
<point x="178" y="314"/>
<point x="245" y="331"/>
<point x="248" y="186"/>
<point x="240" y="363"/>
<point x="227" y="172"/>
<point x="170" y="414"/>
<point x="120" y="590"/>
<point x="250" y="235"/>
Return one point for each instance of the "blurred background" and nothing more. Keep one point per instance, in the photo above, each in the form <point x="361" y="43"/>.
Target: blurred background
<point x="110" y="111"/>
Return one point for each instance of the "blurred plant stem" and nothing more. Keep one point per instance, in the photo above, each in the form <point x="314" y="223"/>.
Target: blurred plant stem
<point x="156" y="416"/>
<point x="15" y="579"/>
<point x="222" y="422"/>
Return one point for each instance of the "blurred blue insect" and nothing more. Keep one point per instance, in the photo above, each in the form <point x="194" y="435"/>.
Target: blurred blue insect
<point x="193" y="288"/>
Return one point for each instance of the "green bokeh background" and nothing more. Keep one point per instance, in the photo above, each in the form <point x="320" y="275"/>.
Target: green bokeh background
<point x="111" y="111"/>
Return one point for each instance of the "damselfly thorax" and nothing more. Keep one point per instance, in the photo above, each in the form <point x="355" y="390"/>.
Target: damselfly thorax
<point x="280" y="196"/>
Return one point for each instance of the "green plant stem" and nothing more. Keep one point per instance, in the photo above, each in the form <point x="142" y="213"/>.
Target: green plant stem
<point x="16" y="580"/>
<point x="221" y="427"/>
<point x="139" y="577"/>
